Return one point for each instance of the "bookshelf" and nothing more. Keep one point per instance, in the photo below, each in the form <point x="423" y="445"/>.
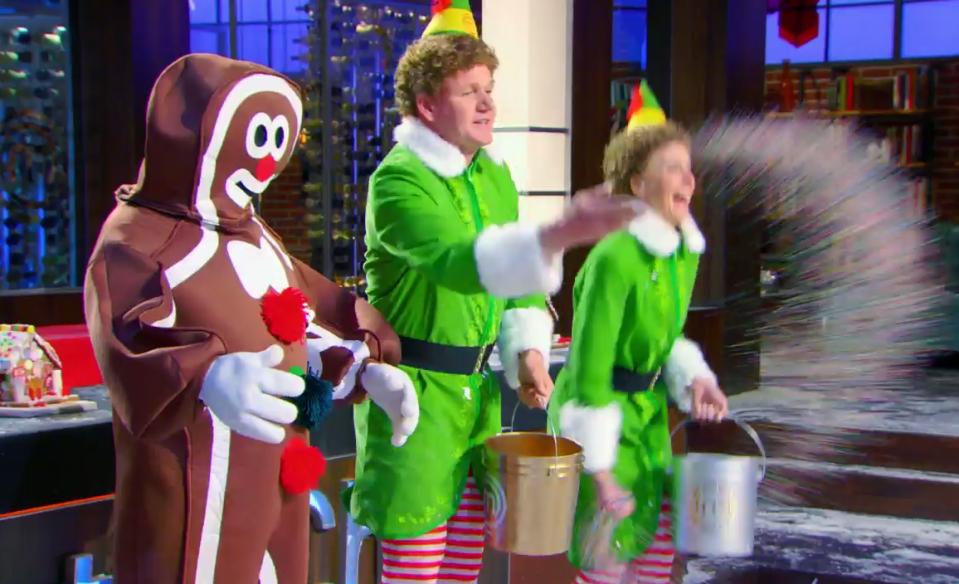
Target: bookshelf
<point x="898" y="109"/>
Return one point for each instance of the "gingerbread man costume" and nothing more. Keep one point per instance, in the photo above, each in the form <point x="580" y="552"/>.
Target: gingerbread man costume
<point x="200" y="372"/>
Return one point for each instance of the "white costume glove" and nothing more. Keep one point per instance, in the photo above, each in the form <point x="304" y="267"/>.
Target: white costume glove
<point x="241" y="389"/>
<point x="392" y="390"/>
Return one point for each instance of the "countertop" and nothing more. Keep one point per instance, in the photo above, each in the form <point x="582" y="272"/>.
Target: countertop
<point x="103" y="415"/>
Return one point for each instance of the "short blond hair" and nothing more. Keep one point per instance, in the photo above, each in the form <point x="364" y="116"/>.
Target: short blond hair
<point x="628" y="153"/>
<point x="430" y="60"/>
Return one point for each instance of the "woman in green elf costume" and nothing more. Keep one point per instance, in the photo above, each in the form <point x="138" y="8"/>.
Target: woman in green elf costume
<point x="628" y="354"/>
<point x="454" y="274"/>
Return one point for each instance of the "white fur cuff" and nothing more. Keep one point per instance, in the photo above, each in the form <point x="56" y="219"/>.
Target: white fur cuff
<point x="523" y="329"/>
<point x="684" y="364"/>
<point x="597" y="430"/>
<point x="510" y="262"/>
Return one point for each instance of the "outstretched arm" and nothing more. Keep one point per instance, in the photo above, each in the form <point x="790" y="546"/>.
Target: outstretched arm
<point x="154" y="374"/>
<point x="508" y="261"/>
<point x="347" y="333"/>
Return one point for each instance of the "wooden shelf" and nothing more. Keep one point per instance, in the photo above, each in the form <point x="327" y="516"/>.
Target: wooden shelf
<point x="869" y="116"/>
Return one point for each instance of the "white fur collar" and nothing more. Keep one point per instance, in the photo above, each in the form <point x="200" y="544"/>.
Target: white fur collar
<point x="434" y="152"/>
<point x="661" y="239"/>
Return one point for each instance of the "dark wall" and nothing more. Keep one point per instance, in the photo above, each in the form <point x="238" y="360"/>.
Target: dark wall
<point x="114" y="61"/>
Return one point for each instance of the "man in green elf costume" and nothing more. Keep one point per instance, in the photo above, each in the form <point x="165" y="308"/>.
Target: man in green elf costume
<point x="453" y="273"/>
<point x="628" y="355"/>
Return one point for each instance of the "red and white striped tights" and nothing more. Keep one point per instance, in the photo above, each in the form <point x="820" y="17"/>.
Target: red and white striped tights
<point x="655" y="566"/>
<point x="451" y="553"/>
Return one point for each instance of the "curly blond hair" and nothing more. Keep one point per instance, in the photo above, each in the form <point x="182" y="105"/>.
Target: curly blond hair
<point x="430" y="60"/>
<point x="629" y="152"/>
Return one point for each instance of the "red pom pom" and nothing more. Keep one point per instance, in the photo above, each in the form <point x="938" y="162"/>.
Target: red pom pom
<point x="285" y="314"/>
<point x="438" y="6"/>
<point x="301" y="467"/>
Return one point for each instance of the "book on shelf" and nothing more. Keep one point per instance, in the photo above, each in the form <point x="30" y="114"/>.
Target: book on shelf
<point x="909" y="90"/>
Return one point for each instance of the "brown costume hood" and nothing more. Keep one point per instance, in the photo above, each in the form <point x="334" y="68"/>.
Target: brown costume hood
<point x="210" y="118"/>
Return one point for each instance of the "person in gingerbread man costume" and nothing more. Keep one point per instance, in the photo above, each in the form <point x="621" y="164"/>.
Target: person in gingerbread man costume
<point x="221" y="351"/>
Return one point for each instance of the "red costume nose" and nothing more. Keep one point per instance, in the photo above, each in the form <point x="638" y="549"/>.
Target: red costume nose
<point x="265" y="168"/>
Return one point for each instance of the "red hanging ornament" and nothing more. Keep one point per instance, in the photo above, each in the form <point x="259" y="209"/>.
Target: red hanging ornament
<point x="798" y="21"/>
<point x="301" y="467"/>
<point x="286" y="314"/>
<point x="440" y="5"/>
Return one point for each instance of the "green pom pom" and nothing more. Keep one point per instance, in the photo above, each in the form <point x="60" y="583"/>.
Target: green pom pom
<point x="315" y="402"/>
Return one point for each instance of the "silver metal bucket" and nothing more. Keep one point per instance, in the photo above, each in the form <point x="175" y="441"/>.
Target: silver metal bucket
<point x="714" y="500"/>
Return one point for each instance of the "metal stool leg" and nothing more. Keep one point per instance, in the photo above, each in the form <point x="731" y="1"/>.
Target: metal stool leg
<point x="322" y="515"/>
<point x="351" y="543"/>
<point x="80" y="571"/>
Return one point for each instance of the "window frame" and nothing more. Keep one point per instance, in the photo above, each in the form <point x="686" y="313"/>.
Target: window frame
<point x="897" y="59"/>
<point x="630" y="69"/>
<point x="233" y="24"/>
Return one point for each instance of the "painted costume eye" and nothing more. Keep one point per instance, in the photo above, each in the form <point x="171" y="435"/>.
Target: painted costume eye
<point x="281" y="137"/>
<point x="257" y="136"/>
<point x="266" y="136"/>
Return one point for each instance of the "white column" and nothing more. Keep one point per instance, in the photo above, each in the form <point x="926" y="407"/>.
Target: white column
<point x="533" y="39"/>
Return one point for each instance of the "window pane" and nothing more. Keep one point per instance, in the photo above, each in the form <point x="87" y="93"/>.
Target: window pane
<point x="861" y="33"/>
<point x="778" y="50"/>
<point x="629" y="36"/>
<point x="287" y="9"/>
<point x="930" y="29"/>
<point x="629" y="3"/>
<point x="203" y="12"/>
<point x="251" y="43"/>
<point x="37" y="191"/>
<point x="250" y="10"/>
<point x="286" y="49"/>
<point x="210" y="39"/>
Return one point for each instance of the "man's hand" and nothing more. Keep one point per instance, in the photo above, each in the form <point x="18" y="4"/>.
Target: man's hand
<point x="613" y="498"/>
<point x="593" y="215"/>
<point x="709" y="402"/>
<point x="535" y="384"/>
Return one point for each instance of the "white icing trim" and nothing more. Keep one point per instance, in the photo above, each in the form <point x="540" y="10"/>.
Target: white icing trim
<point x="215" y="500"/>
<point x="661" y="239"/>
<point x="511" y="262"/>
<point x="267" y="570"/>
<point x="433" y="151"/>
<point x="523" y="329"/>
<point x="597" y="430"/>
<point x="685" y="363"/>
<point x="198" y="257"/>
<point x="192" y="263"/>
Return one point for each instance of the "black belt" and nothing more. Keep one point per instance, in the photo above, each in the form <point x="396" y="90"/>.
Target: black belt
<point x="444" y="358"/>
<point x="631" y="382"/>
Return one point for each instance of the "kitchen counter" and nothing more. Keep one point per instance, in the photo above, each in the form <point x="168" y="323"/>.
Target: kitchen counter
<point x="69" y="457"/>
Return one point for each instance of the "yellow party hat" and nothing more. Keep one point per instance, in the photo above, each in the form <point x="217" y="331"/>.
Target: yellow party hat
<point x="451" y="17"/>
<point x="644" y="109"/>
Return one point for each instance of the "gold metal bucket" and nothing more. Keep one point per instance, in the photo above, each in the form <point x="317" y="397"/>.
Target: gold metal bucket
<point x="532" y="483"/>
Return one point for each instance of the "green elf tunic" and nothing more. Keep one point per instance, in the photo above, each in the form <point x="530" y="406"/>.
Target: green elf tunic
<point x="630" y="301"/>
<point x="446" y="263"/>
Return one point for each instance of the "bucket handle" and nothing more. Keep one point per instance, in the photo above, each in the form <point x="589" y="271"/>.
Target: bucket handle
<point x="549" y="424"/>
<point x="745" y="428"/>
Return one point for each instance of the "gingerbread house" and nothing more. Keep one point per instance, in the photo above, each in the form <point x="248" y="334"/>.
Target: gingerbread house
<point x="30" y="371"/>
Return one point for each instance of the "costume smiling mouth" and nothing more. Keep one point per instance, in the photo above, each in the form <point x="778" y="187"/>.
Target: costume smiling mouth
<point x="250" y="193"/>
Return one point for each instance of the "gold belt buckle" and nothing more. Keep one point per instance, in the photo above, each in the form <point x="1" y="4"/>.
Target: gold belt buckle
<point x="655" y="379"/>
<point x="479" y="359"/>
